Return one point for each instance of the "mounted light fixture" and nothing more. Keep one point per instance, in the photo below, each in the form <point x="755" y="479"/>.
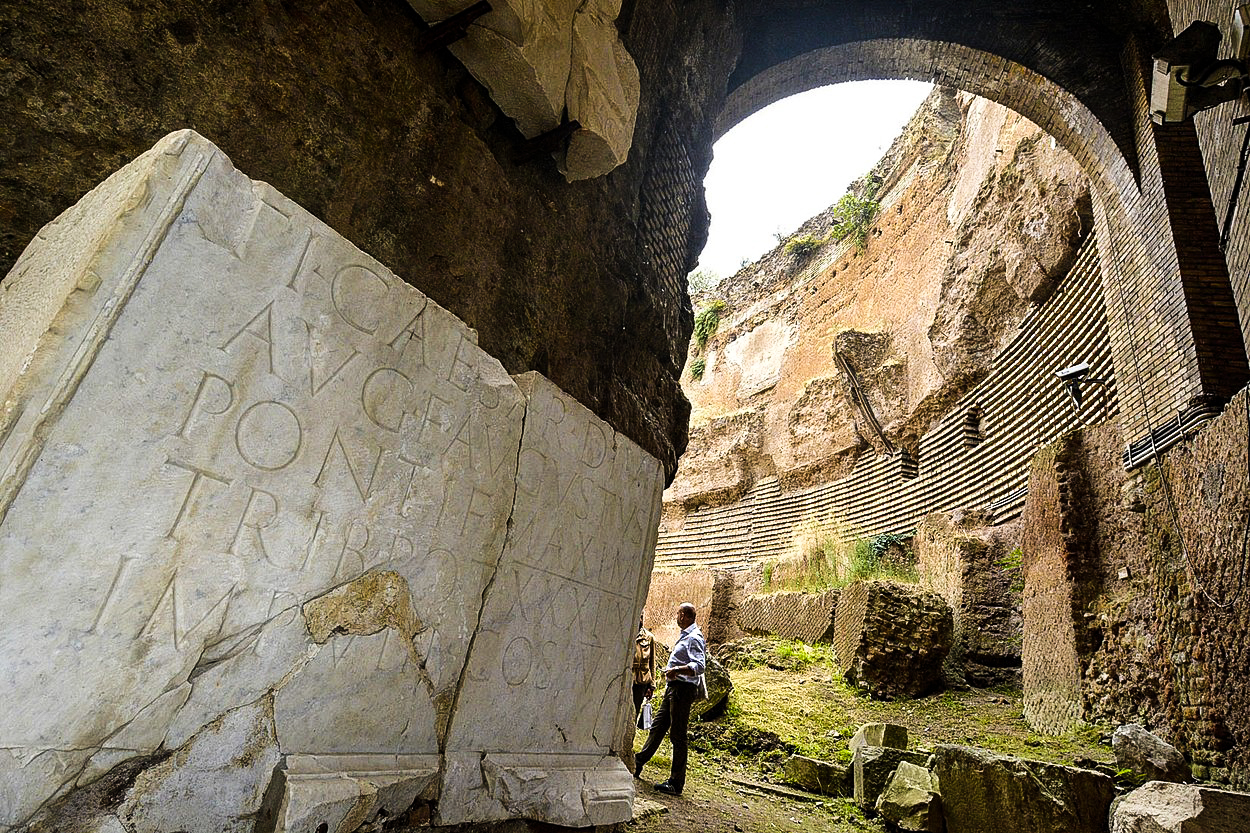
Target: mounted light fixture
<point x="1189" y="78"/>
<point x="1075" y="376"/>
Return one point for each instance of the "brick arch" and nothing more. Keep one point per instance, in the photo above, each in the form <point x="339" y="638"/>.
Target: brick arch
<point x="1057" y="111"/>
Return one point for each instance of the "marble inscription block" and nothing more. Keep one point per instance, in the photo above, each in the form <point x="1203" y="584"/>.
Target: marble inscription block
<point x="240" y="413"/>
<point x="555" y="636"/>
<point x="271" y="516"/>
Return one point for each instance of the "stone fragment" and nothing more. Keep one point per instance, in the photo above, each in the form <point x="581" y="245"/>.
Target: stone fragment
<point x="569" y="789"/>
<point x="1147" y="755"/>
<point x="872" y="766"/>
<point x="824" y="777"/>
<point x="235" y="754"/>
<point x="539" y="60"/>
<point x="719" y="686"/>
<point x="879" y="734"/>
<point x="891" y="638"/>
<point x="1164" y="807"/>
<point x="603" y="94"/>
<point x="910" y="800"/>
<point x="984" y="791"/>
<point x="345" y="791"/>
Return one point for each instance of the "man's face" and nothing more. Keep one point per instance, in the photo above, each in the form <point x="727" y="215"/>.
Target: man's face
<point x="684" y="619"/>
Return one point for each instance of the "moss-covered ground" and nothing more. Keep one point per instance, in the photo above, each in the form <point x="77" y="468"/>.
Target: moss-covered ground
<point x="788" y="699"/>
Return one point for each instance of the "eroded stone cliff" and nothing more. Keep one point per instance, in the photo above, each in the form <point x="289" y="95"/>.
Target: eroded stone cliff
<point x="825" y="355"/>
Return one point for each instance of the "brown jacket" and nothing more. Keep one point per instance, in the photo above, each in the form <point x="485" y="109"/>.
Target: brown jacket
<point x="644" y="658"/>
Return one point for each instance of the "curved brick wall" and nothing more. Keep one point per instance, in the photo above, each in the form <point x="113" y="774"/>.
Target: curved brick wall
<point x="1023" y="407"/>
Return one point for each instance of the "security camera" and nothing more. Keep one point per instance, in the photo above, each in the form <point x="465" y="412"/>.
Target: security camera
<point x="1071" y="374"/>
<point x="1188" y="78"/>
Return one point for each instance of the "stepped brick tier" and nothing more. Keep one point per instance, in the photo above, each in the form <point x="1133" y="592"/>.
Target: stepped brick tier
<point x="891" y="639"/>
<point x="277" y="537"/>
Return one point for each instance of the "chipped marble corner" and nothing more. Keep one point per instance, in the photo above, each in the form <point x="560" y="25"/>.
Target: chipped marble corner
<point x="573" y="790"/>
<point x="214" y="783"/>
<point x="339" y="793"/>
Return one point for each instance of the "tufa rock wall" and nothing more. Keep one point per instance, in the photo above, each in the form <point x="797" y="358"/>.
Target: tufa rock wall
<point x="980" y="217"/>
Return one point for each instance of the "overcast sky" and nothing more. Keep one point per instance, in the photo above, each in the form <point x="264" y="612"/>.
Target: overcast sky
<point x="794" y="159"/>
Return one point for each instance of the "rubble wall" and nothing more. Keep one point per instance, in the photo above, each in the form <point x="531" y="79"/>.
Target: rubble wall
<point x="1133" y="591"/>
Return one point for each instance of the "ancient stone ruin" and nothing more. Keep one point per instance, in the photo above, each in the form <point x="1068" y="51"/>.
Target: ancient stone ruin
<point x="278" y="536"/>
<point x="891" y="639"/>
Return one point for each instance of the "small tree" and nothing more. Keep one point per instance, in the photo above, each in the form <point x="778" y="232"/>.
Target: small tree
<point x="855" y="216"/>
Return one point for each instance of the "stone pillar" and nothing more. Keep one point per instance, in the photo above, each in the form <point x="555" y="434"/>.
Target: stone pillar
<point x="266" y="507"/>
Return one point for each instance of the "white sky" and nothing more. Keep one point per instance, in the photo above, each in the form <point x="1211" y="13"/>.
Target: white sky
<point x="794" y="159"/>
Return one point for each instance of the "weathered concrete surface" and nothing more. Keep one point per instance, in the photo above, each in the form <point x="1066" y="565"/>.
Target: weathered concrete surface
<point x="290" y="508"/>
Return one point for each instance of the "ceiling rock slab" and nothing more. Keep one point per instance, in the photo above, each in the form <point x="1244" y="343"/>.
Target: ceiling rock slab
<point x="266" y="512"/>
<point x="541" y="60"/>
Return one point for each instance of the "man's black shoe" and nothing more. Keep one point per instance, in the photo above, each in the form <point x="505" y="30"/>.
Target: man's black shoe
<point x="667" y="788"/>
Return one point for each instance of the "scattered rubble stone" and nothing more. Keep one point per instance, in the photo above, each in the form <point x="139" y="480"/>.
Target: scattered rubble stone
<point x="1163" y="807"/>
<point x="1148" y="755"/>
<point x="910" y="800"/>
<point x="872" y="767"/>
<point x="718" y="687"/>
<point x="824" y="777"/>
<point x="880" y="734"/>
<point x="983" y="791"/>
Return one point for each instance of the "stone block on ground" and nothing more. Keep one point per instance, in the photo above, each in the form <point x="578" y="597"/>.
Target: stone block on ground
<point x="824" y="777"/>
<point x="983" y="791"/>
<point x="282" y="493"/>
<point x="891" y="639"/>
<point x="879" y="734"/>
<point x="872" y="767"/>
<point x="910" y="800"/>
<point x="1166" y="807"/>
<point x="1147" y="755"/>
<point x="807" y="617"/>
<point x="719" y="686"/>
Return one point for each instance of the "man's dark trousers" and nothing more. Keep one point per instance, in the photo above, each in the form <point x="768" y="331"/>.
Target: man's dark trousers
<point x="674" y="713"/>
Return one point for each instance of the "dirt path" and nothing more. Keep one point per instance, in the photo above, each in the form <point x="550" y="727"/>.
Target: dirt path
<point x="788" y="698"/>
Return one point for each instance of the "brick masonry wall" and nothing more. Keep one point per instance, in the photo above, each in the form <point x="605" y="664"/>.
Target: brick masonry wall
<point x="807" y="617"/>
<point x="1135" y="592"/>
